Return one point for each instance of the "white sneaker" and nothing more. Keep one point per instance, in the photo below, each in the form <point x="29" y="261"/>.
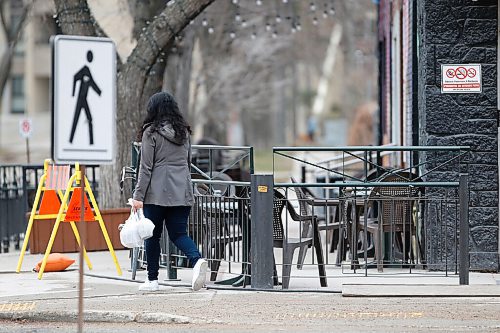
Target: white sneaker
<point x="150" y="286"/>
<point x="199" y="273"/>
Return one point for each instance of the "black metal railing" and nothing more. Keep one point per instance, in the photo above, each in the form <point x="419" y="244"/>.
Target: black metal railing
<point x="219" y="219"/>
<point x="412" y="215"/>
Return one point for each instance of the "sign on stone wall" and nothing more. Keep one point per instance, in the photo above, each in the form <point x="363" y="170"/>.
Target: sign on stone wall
<point x="461" y="79"/>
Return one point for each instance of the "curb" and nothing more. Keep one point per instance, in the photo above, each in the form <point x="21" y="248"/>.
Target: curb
<point x="372" y="290"/>
<point x="99" y="316"/>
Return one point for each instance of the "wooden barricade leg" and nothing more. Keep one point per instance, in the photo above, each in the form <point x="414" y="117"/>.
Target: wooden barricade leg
<point x="30" y="223"/>
<point x="103" y="227"/>
<point x="75" y="232"/>
<point x="56" y="226"/>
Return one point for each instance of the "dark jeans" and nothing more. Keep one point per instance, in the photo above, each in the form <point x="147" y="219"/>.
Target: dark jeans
<point x="176" y="222"/>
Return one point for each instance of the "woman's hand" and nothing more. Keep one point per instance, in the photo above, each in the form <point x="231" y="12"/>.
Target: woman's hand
<point x="137" y="204"/>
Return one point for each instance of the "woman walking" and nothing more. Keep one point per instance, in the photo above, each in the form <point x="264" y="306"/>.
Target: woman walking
<point x="164" y="187"/>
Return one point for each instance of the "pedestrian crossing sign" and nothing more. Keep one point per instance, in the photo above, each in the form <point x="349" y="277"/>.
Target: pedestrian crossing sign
<point x="83" y="99"/>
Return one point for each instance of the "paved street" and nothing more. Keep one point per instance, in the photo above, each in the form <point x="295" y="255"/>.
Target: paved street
<point x="296" y="312"/>
<point x="115" y="305"/>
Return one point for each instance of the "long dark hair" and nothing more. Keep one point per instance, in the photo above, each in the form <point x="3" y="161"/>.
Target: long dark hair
<point x="162" y="108"/>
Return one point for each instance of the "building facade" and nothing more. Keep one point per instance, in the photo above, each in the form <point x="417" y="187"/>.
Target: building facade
<point x="27" y="91"/>
<point x="416" y="37"/>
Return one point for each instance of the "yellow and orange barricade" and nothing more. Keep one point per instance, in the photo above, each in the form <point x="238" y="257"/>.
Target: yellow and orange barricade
<point x="54" y="204"/>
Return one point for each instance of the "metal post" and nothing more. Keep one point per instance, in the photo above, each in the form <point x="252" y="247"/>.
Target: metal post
<point x="171" y="260"/>
<point x="261" y="248"/>
<point x="464" y="229"/>
<point x="83" y="240"/>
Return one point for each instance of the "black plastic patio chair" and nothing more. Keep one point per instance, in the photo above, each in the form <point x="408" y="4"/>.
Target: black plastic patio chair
<point x="288" y="244"/>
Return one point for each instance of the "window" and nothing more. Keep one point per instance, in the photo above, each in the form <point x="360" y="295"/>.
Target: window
<point x="16" y="10"/>
<point x="17" y="83"/>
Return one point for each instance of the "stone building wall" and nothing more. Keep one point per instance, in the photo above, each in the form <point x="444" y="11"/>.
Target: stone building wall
<point x="461" y="32"/>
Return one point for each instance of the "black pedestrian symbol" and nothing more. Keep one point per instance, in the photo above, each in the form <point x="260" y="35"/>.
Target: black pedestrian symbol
<point x="86" y="81"/>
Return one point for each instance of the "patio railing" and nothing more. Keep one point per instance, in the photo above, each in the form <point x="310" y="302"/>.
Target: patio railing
<point x="381" y="220"/>
<point x="414" y="217"/>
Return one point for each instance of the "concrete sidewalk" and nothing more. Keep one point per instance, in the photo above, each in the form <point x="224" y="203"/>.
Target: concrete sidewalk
<point x="117" y="300"/>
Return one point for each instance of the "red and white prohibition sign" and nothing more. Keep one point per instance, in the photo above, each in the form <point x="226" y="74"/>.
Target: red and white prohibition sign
<point x="464" y="78"/>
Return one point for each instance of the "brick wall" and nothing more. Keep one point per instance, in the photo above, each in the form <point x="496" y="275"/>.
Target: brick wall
<point x="385" y="70"/>
<point x="454" y="32"/>
<point x="407" y="73"/>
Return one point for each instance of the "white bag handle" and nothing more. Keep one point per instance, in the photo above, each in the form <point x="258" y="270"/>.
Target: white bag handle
<point x="145" y="226"/>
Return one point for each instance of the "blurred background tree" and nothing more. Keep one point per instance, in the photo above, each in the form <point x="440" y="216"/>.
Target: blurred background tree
<point x="245" y="72"/>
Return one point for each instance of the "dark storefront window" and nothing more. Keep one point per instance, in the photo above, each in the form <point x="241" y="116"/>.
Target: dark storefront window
<point x="18" y="104"/>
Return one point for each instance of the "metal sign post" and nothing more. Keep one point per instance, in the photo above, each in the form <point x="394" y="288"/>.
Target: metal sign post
<point x="83" y="240"/>
<point x="84" y="113"/>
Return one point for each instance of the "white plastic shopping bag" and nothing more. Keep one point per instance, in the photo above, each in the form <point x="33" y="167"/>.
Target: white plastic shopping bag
<point x="145" y="227"/>
<point x="129" y="232"/>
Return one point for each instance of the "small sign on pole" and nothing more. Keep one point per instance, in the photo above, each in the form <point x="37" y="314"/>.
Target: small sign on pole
<point x="25" y="129"/>
<point x="460" y="79"/>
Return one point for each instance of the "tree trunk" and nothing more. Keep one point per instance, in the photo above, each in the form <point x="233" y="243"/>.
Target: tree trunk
<point x="133" y="82"/>
<point x="143" y="11"/>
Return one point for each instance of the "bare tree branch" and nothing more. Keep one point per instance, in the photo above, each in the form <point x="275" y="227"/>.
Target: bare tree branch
<point x="15" y="32"/>
<point x="5" y="27"/>
<point x="162" y="30"/>
<point x="143" y="11"/>
<point x="75" y="18"/>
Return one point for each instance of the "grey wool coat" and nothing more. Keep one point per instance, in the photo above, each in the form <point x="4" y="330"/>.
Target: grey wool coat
<point x="164" y="174"/>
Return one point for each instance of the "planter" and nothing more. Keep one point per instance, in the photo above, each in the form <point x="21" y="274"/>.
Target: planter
<point x="65" y="239"/>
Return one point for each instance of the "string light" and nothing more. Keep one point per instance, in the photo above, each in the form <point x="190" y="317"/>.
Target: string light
<point x="315" y="10"/>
